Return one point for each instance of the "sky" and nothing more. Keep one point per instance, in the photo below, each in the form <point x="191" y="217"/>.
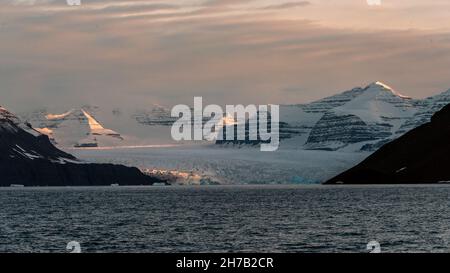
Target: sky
<point x="142" y="52"/>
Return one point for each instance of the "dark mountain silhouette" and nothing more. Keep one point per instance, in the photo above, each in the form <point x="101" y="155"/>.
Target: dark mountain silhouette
<point x="28" y="158"/>
<point x="420" y="156"/>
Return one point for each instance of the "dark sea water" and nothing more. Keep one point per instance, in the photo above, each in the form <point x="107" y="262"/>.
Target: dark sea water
<point x="226" y="219"/>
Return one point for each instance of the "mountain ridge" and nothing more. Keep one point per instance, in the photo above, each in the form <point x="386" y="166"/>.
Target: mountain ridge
<point x="355" y="120"/>
<point x="419" y="156"/>
<point x="367" y="118"/>
<point x="29" y="158"/>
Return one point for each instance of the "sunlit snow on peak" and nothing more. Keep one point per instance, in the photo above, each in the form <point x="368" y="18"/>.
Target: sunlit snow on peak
<point x="378" y="84"/>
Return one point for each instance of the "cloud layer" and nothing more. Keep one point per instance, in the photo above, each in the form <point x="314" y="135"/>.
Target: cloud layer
<point x="140" y="52"/>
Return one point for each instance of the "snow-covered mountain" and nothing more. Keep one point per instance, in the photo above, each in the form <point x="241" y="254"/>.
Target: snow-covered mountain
<point x="28" y="158"/>
<point x="354" y="120"/>
<point x="94" y="126"/>
<point x="421" y="156"/>
<point x="361" y="119"/>
<point x="155" y="115"/>
<point x="425" y="110"/>
<point x="11" y="125"/>
<point x="374" y="114"/>
<point x="74" y="128"/>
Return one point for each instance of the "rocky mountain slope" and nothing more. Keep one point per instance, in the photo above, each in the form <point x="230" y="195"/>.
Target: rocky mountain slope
<point x="374" y="114"/>
<point x="425" y="110"/>
<point x="358" y="119"/>
<point x="28" y="158"/>
<point x="419" y="156"/>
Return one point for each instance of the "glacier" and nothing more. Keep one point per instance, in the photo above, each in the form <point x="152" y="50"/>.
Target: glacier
<point x="229" y="166"/>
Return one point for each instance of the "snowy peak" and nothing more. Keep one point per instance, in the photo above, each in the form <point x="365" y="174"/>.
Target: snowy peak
<point x="59" y="116"/>
<point x="74" y="128"/>
<point x="96" y="128"/>
<point x="382" y="87"/>
<point x="357" y="119"/>
<point x="374" y="91"/>
<point x="18" y="140"/>
<point x="381" y="84"/>
<point x="377" y="102"/>
<point x="9" y="121"/>
<point x="370" y="118"/>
